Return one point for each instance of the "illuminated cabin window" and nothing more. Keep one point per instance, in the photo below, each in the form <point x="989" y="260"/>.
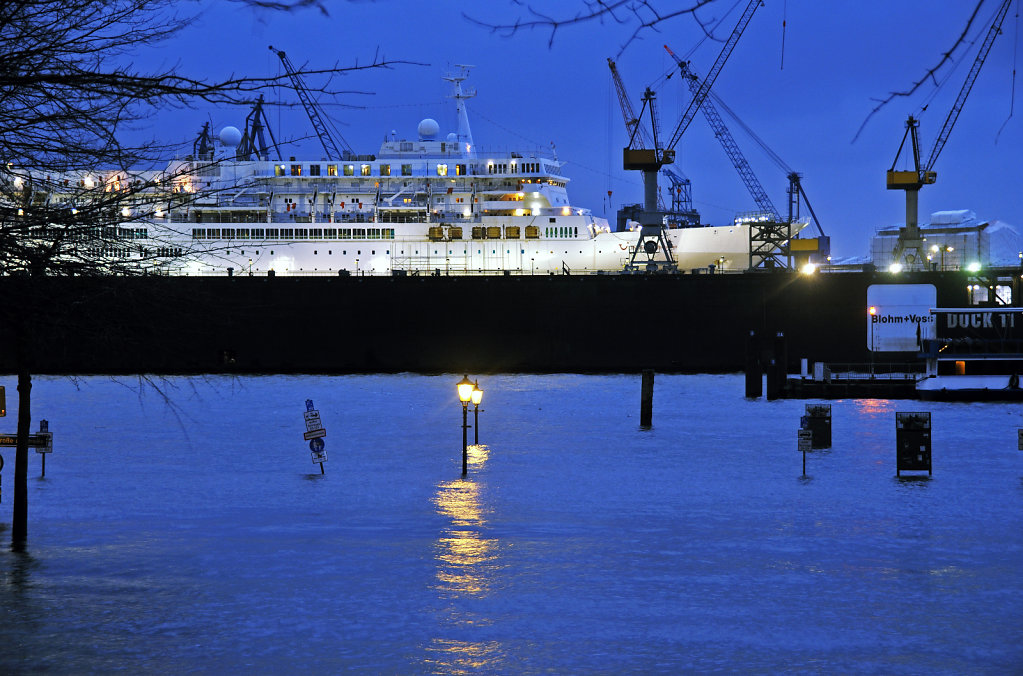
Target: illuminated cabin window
<point x="349" y="170"/>
<point x="459" y="170"/>
<point x="385" y="170"/>
<point x="365" y="169"/>
<point x="331" y="170"/>
<point x="442" y="170"/>
<point x="296" y="170"/>
<point x="406" y="170"/>
<point x="278" y="170"/>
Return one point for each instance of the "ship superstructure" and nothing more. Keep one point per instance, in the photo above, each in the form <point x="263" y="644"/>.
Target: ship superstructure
<point x="430" y="204"/>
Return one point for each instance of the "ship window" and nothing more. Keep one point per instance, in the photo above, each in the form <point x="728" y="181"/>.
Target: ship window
<point x="278" y="170"/>
<point x="442" y="170"/>
<point x="272" y="233"/>
<point x="296" y="170"/>
<point x="331" y="170"/>
<point x="406" y="170"/>
<point x="576" y="231"/>
<point x="315" y="252"/>
<point x="553" y="220"/>
<point x="214" y="233"/>
<point x="242" y="233"/>
<point x="366" y="169"/>
<point x="287" y="233"/>
<point x="330" y="233"/>
<point x="301" y="233"/>
<point x="314" y="170"/>
<point x="198" y="233"/>
<point x="385" y="170"/>
<point x="460" y="170"/>
<point x="349" y="170"/>
<point x="373" y="252"/>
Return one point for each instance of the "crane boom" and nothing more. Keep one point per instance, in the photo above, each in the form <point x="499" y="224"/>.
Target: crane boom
<point x="330" y="145"/>
<point x="717" y="125"/>
<point x="632" y="120"/>
<point x="712" y="75"/>
<point x="971" y="77"/>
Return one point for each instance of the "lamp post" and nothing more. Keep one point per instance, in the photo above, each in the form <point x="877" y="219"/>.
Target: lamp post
<point x="465" y="387"/>
<point x="477" y="397"/>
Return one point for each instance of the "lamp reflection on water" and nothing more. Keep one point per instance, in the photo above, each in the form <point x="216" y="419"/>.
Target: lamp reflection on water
<point x="466" y="559"/>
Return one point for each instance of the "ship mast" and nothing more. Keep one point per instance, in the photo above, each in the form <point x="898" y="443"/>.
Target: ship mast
<point x="465" y="144"/>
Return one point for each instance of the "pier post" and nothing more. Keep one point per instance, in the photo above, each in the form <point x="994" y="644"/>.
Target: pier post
<point x="646" y="408"/>
<point x="754" y="369"/>
<point x="777" y="370"/>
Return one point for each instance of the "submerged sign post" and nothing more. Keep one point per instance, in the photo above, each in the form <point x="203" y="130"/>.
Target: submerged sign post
<point x="314" y="434"/>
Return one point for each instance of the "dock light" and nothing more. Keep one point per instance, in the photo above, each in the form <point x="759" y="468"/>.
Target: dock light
<point x="477" y="397"/>
<point x="873" y="310"/>
<point x="808" y="269"/>
<point x="973" y="267"/>
<point x="934" y="248"/>
<point x="465" y="388"/>
<point x="895" y="268"/>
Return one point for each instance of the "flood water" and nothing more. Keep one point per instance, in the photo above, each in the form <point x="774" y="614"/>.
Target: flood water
<point x="183" y="528"/>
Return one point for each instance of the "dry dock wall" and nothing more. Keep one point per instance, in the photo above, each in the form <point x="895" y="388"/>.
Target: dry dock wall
<point x="605" y="323"/>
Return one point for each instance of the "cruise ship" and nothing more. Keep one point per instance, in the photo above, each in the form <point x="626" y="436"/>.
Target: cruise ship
<point x="435" y="204"/>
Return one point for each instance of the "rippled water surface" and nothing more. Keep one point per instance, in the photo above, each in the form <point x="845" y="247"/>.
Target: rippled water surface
<point x="197" y="536"/>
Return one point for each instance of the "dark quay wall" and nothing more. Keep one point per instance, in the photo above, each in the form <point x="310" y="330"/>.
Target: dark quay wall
<point x="491" y="324"/>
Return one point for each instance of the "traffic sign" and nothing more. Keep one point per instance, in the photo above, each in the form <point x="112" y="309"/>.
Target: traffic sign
<point x="805" y="440"/>
<point x="314" y="434"/>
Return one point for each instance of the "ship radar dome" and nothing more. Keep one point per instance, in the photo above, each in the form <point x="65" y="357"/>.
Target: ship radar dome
<point x="230" y="136"/>
<point x="452" y="137"/>
<point x="428" y="128"/>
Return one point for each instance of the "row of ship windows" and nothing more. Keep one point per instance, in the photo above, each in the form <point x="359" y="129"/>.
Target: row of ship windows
<point x="442" y="169"/>
<point x="292" y="233"/>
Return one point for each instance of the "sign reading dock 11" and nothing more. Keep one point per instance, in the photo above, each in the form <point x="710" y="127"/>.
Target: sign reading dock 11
<point x="314" y="434"/>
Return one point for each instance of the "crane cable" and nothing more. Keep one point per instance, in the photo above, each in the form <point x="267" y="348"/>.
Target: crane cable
<point x="1012" y="87"/>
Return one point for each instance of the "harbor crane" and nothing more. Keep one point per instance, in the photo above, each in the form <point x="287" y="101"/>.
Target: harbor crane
<point x="717" y="125"/>
<point x="768" y="248"/>
<point x="335" y="148"/>
<point x="647" y="154"/>
<point x="909" y="251"/>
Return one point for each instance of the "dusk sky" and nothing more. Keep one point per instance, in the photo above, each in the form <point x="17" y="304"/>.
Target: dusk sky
<point x="806" y="103"/>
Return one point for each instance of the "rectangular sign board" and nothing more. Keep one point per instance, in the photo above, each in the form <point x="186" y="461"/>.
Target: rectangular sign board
<point x="314" y="434"/>
<point x="34" y="440"/>
<point x="899" y="316"/>
<point x="805" y="440"/>
<point x="320" y="456"/>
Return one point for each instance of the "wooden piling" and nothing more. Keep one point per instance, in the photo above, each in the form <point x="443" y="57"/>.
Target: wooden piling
<point x="646" y="408"/>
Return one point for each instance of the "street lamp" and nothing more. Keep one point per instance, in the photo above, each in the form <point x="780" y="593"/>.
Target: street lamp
<point x="477" y="397"/>
<point x="465" y="387"/>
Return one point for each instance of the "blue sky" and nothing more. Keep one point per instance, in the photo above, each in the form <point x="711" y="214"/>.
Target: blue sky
<point x="838" y="58"/>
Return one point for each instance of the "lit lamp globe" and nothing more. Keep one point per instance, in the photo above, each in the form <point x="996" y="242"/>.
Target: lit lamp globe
<point x="465" y="388"/>
<point x="477" y="394"/>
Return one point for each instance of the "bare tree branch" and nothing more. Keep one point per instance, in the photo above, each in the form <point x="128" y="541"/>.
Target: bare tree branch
<point x="642" y="15"/>
<point x="931" y="75"/>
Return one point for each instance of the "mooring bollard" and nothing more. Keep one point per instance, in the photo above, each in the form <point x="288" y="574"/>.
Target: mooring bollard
<point x="754" y="369"/>
<point x="913" y="442"/>
<point x="646" y="407"/>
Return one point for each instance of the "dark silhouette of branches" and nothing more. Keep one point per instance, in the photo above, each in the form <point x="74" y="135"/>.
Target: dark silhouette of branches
<point x="640" y="15"/>
<point x="930" y="75"/>
<point x="76" y="199"/>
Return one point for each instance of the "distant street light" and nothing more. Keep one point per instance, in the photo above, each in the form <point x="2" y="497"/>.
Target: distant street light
<point x="477" y="397"/>
<point x="465" y="388"/>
